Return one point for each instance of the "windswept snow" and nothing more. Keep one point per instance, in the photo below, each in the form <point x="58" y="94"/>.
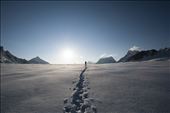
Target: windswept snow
<point x="133" y="87"/>
<point x="35" y="88"/>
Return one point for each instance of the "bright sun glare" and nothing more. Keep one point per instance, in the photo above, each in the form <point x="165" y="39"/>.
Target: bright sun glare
<point x="68" y="56"/>
<point x="68" y="53"/>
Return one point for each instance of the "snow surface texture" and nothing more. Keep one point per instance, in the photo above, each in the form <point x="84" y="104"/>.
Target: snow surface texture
<point x="131" y="87"/>
<point x="79" y="101"/>
<point x="35" y="88"/>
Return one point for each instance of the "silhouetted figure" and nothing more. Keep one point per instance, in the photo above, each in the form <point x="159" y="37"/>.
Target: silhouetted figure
<point x="85" y="64"/>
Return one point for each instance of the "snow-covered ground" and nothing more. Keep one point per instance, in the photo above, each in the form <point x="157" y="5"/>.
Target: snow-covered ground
<point x="36" y="88"/>
<point x="138" y="87"/>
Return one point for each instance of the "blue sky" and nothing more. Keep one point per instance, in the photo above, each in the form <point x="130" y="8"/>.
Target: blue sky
<point x="90" y="29"/>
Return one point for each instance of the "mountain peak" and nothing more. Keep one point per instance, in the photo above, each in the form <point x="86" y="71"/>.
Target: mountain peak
<point x="37" y="57"/>
<point x="7" y="57"/>
<point x="132" y="51"/>
<point x="105" y="60"/>
<point x="37" y="60"/>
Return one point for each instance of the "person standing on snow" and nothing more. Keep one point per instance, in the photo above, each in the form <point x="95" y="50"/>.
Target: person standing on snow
<point x="85" y="64"/>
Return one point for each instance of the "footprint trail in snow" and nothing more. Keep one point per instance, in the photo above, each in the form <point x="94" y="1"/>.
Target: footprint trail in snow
<point x="79" y="102"/>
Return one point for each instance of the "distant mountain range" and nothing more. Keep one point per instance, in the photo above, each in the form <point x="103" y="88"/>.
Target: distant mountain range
<point x="7" y="57"/>
<point x="149" y="55"/>
<point x="131" y="56"/>
<point x="106" y="60"/>
<point x="139" y="55"/>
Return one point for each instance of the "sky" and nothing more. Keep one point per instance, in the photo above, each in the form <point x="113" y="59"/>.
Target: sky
<point x="75" y="31"/>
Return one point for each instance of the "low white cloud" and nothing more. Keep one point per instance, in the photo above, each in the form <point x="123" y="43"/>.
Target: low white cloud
<point x="135" y="48"/>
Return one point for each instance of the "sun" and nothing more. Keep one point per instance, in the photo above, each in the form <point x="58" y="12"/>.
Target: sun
<point x="68" y="53"/>
<point x="68" y="56"/>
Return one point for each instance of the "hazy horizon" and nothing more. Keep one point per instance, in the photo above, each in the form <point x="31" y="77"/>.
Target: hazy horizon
<point x="71" y="32"/>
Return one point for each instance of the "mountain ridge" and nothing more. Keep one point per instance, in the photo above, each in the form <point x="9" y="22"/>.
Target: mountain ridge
<point x="7" y="57"/>
<point x="129" y="54"/>
<point x="145" y="55"/>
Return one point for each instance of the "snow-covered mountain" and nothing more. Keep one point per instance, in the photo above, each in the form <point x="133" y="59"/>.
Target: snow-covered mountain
<point x="132" y="51"/>
<point x="7" y="57"/>
<point x="146" y="55"/>
<point x="37" y="60"/>
<point x="129" y="54"/>
<point x="151" y="54"/>
<point x="106" y="60"/>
